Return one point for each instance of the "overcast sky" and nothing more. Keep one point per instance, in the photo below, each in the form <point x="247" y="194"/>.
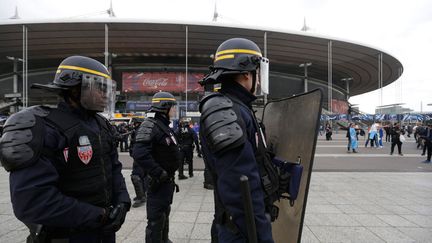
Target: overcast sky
<point x="399" y="27"/>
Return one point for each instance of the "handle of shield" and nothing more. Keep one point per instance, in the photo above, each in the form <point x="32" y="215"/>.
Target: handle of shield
<point x="249" y="214"/>
<point x="295" y="170"/>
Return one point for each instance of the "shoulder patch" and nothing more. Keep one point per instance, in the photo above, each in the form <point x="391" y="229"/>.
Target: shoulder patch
<point x="144" y="133"/>
<point x="220" y="123"/>
<point x="22" y="141"/>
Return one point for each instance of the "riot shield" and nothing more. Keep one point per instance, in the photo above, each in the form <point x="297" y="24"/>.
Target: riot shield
<point x="291" y="128"/>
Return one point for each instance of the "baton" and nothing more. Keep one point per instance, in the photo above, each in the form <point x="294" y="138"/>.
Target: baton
<point x="249" y="214"/>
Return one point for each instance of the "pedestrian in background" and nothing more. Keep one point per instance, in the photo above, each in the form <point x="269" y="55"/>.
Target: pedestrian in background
<point x="156" y="150"/>
<point x="329" y="132"/>
<point x="187" y="139"/>
<point x="428" y="142"/>
<point x="395" y="133"/>
<point x="353" y="137"/>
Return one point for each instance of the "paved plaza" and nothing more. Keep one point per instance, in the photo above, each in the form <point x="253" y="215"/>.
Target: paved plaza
<point x="346" y="203"/>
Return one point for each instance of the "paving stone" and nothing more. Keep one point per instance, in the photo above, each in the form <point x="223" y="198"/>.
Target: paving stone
<point x="420" y="220"/>
<point x="368" y="220"/>
<point x="184" y="216"/>
<point x="390" y="234"/>
<point x="344" y="234"/>
<point x="423" y="235"/>
<point x="396" y="220"/>
<point x="202" y="232"/>
<point x="331" y="220"/>
<point x="324" y="208"/>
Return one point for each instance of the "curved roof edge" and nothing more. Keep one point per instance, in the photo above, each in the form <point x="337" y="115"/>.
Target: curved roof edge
<point x="182" y="22"/>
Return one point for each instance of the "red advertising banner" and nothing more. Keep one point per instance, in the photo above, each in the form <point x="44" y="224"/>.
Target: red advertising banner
<point x="339" y="106"/>
<point x="151" y="82"/>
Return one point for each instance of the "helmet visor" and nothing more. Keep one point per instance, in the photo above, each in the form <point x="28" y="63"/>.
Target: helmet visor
<point x="263" y="87"/>
<point x="97" y="93"/>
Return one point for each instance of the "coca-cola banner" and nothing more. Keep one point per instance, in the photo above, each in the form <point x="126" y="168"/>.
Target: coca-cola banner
<point x="151" y="82"/>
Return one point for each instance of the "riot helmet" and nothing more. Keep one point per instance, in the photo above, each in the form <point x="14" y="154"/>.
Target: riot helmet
<point x="162" y="102"/>
<point x="97" y="90"/>
<point x="238" y="56"/>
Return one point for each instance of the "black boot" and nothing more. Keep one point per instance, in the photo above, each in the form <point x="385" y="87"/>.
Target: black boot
<point x="182" y="177"/>
<point x="141" y="197"/>
<point x="165" y="230"/>
<point x="154" y="231"/>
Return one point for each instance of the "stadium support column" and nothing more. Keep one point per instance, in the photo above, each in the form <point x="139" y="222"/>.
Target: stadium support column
<point x="330" y="76"/>
<point x="265" y="55"/>
<point x="106" y="53"/>
<point x="380" y="80"/>
<point x="186" y="71"/>
<point x="25" y="67"/>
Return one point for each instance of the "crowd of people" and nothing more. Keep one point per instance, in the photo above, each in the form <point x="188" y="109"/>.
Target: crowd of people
<point x="377" y="133"/>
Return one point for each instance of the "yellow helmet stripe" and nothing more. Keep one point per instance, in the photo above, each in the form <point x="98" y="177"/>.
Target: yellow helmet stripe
<point x="240" y="51"/>
<point x="83" y="70"/>
<point x="224" y="57"/>
<point x="156" y="100"/>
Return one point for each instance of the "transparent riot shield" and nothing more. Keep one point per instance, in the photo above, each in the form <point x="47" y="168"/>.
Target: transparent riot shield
<point x="291" y="128"/>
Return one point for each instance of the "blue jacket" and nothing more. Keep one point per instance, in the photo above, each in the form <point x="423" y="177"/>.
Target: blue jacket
<point x="36" y="198"/>
<point x="230" y="165"/>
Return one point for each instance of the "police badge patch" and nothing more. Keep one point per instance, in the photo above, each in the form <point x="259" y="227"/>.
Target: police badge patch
<point x="85" y="150"/>
<point x="66" y="154"/>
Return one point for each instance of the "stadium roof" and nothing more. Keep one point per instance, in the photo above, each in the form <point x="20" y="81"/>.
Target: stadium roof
<point x="56" y="39"/>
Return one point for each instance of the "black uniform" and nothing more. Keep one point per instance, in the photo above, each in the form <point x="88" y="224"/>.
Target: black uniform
<point x="156" y="150"/>
<point x="395" y="133"/>
<point x="66" y="175"/>
<point x="244" y="155"/>
<point x="138" y="176"/>
<point x="187" y="138"/>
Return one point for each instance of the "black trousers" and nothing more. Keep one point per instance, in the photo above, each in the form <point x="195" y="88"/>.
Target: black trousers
<point x="399" y="145"/>
<point x="159" y="201"/>
<point x="428" y="145"/>
<point x="186" y="156"/>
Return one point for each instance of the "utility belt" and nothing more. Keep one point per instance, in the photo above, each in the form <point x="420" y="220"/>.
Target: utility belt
<point x="155" y="184"/>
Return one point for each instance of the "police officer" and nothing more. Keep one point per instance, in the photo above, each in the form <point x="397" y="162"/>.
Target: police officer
<point x="65" y="177"/>
<point x="138" y="176"/>
<point x="187" y="138"/>
<point x="233" y="141"/>
<point x="427" y="136"/>
<point x="156" y="150"/>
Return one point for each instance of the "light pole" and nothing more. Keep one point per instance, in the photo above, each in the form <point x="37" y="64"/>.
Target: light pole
<point x="15" y="76"/>
<point x="347" y="80"/>
<point x="305" y="66"/>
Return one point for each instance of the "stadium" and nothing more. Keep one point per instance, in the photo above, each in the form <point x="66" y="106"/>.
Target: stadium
<point x="145" y="57"/>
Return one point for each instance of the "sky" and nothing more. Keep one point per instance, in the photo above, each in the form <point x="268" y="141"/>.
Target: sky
<point x="400" y="28"/>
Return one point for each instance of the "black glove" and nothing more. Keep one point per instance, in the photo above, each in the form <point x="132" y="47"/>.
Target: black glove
<point x="115" y="218"/>
<point x="163" y="177"/>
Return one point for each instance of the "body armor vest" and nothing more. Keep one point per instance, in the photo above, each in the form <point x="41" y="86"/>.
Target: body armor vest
<point x="268" y="173"/>
<point x="185" y="136"/>
<point x="166" y="148"/>
<point x="267" y="170"/>
<point x="84" y="165"/>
